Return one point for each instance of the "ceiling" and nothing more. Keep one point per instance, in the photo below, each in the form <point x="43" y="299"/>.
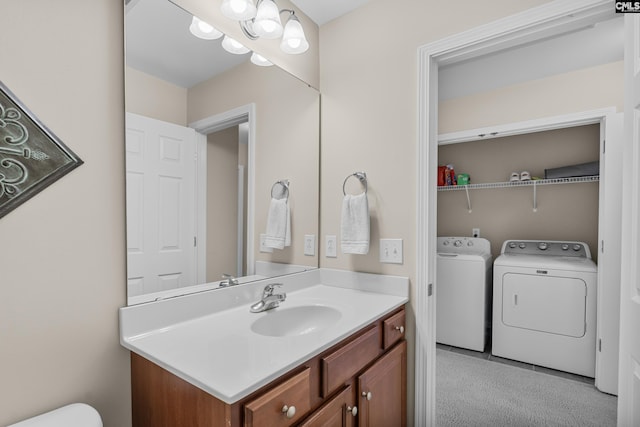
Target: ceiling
<point x="158" y="42"/>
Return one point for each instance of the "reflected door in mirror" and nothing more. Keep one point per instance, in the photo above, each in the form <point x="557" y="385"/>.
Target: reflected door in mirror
<point x="161" y="205"/>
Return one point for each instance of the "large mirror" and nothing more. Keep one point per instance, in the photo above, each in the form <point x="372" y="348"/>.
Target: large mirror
<point x="212" y="140"/>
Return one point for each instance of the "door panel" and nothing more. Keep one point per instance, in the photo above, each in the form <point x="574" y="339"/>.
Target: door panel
<point x="160" y="205"/>
<point x="555" y="305"/>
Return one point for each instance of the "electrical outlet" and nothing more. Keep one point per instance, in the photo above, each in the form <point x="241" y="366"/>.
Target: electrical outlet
<point x="310" y="244"/>
<point x="391" y="251"/>
<point x="263" y="248"/>
<point x="475" y="232"/>
<point x="331" y="251"/>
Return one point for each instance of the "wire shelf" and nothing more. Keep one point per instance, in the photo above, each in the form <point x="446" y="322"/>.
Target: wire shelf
<point x="536" y="182"/>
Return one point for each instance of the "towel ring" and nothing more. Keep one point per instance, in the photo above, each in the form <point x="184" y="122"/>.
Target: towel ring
<point x="362" y="177"/>
<point x="284" y="183"/>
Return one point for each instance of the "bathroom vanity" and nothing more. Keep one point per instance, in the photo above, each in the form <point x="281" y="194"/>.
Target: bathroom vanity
<point x="333" y="353"/>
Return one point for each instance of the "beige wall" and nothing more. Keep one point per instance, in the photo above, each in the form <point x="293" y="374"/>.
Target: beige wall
<point x="150" y="96"/>
<point x="222" y="203"/>
<point x="62" y="258"/>
<point x="582" y="90"/>
<point x="287" y="144"/>
<point x="565" y="212"/>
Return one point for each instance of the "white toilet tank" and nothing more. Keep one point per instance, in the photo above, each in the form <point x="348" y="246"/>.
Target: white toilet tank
<point x="74" y="415"/>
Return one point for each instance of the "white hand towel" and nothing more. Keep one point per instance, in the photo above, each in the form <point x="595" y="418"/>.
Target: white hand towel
<point x="354" y="228"/>
<point x="278" y="234"/>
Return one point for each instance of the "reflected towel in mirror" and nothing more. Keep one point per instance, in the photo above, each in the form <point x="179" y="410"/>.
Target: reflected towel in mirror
<point x="278" y="234"/>
<point x="354" y="228"/>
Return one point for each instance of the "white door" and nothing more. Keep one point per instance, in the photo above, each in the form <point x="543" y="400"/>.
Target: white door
<point x="161" y="166"/>
<point x="629" y="378"/>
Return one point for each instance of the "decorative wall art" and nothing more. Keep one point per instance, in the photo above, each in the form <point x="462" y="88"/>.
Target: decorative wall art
<point x="31" y="156"/>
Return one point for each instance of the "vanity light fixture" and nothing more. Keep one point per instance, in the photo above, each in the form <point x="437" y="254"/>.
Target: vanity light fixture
<point x="203" y="30"/>
<point x="233" y="46"/>
<point x="266" y="23"/>
<point x="260" y="60"/>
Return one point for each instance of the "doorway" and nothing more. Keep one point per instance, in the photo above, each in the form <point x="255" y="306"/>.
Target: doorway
<point x="519" y="29"/>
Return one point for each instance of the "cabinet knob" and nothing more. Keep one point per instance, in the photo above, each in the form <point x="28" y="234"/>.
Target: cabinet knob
<point x="367" y="395"/>
<point x="353" y="410"/>
<point x="289" y="411"/>
<point x="400" y="328"/>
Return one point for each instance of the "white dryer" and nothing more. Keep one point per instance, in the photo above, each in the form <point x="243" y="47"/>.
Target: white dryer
<point x="463" y="292"/>
<point x="544" y="305"/>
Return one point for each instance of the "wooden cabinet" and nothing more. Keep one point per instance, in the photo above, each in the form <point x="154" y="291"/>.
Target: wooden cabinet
<point x="326" y="390"/>
<point x="382" y="390"/>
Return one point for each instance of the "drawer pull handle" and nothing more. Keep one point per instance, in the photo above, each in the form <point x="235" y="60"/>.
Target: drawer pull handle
<point x="367" y="395"/>
<point x="400" y="328"/>
<point x="289" y="411"/>
<point x="354" y="410"/>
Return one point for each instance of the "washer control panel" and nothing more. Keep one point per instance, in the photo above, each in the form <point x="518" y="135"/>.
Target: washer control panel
<point x="463" y="245"/>
<point x="546" y="247"/>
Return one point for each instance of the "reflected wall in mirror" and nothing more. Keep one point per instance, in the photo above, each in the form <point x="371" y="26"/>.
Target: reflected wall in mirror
<point x="208" y="134"/>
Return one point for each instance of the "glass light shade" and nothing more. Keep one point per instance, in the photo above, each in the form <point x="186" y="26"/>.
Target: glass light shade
<point x="267" y="22"/>
<point x="239" y="10"/>
<point x="233" y="46"/>
<point x="293" y="40"/>
<point x="203" y="30"/>
<point x="260" y="60"/>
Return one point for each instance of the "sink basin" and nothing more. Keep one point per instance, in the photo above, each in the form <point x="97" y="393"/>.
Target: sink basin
<point x="301" y="320"/>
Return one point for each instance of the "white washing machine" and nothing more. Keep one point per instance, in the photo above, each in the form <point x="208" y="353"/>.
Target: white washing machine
<point x="463" y="292"/>
<point x="544" y="305"/>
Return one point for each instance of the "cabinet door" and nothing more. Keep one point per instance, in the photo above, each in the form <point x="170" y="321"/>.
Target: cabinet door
<point x="382" y="390"/>
<point x="337" y="412"/>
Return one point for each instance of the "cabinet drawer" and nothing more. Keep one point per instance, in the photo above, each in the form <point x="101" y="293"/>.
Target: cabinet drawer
<point x="269" y="409"/>
<point x="345" y="362"/>
<point x="393" y="329"/>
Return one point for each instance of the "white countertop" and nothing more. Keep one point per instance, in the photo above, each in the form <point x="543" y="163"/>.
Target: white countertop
<point x="218" y="351"/>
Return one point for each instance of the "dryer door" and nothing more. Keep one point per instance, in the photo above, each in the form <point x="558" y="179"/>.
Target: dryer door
<point x="549" y="304"/>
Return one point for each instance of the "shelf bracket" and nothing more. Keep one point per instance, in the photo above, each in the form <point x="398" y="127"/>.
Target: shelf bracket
<point x="466" y="188"/>
<point x="535" y="197"/>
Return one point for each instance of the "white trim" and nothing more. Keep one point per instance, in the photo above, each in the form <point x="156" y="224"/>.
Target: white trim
<point x="543" y="21"/>
<point x="244" y="113"/>
<point x="528" y="126"/>
<point x="201" y="207"/>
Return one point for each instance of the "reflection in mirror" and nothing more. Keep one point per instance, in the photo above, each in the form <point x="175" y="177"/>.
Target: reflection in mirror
<point x="208" y="134"/>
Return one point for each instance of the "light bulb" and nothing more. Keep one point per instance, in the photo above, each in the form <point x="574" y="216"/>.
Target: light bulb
<point x="239" y="10"/>
<point x="293" y="39"/>
<point x="203" y="30"/>
<point x="267" y="23"/>
<point x="233" y="46"/>
<point x="260" y="60"/>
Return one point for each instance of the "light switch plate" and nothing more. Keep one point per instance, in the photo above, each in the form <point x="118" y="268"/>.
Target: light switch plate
<point x="310" y="244"/>
<point x="391" y="251"/>
<point x="263" y="248"/>
<point x="331" y="251"/>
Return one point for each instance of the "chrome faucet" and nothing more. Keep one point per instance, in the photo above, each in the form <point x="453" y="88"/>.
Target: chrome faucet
<point x="229" y="280"/>
<point x="269" y="299"/>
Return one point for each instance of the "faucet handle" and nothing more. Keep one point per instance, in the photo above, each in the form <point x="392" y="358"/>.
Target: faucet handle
<point x="268" y="290"/>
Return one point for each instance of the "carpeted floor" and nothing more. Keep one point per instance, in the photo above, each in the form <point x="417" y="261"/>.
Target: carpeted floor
<point x="476" y="392"/>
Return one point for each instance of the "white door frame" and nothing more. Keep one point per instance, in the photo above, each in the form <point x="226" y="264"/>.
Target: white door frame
<point x="242" y="114"/>
<point x="629" y="373"/>
<point x="553" y="18"/>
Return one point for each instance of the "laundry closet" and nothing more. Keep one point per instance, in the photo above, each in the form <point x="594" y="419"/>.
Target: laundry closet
<point x="498" y="206"/>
